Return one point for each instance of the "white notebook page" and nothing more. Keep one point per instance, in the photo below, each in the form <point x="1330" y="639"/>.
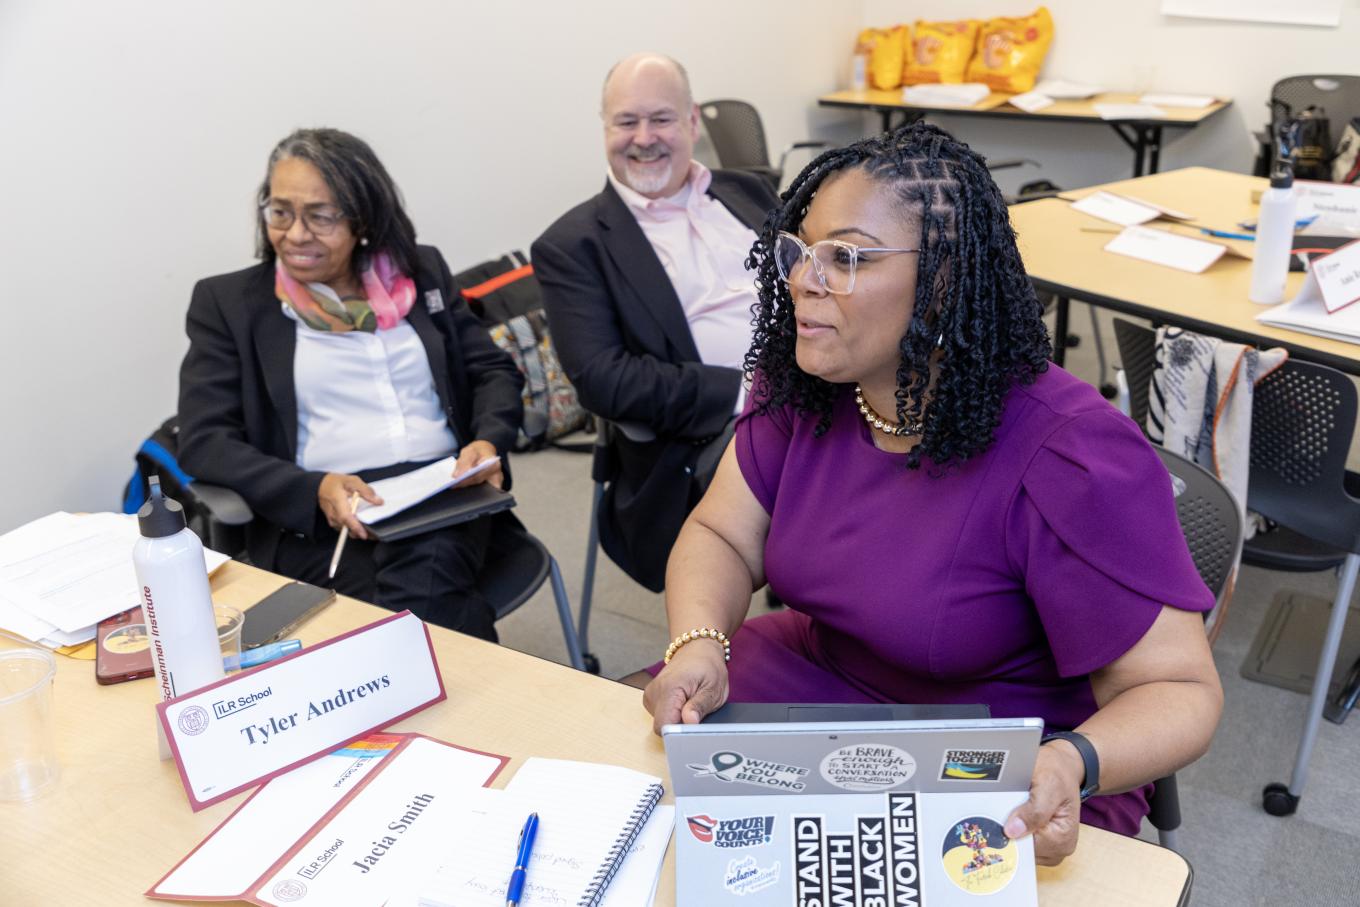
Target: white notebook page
<point x="584" y="809"/>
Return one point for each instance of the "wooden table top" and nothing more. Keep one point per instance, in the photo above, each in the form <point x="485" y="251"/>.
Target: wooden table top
<point x="118" y="818"/>
<point x="995" y="104"/>
<point x="1063" y="258"/>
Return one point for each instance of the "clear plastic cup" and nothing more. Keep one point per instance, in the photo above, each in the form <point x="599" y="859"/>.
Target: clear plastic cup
<point x="229" y="623"/>
<point x="28" y="752"/>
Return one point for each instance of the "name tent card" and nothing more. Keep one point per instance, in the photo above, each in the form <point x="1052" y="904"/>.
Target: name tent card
<point x="1337" y="276"/>
<point x="1165" y="248"/>
<point x="249" y="727"/>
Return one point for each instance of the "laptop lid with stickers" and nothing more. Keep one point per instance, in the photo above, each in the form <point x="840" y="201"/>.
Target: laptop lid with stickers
<point x="863" y="814"/>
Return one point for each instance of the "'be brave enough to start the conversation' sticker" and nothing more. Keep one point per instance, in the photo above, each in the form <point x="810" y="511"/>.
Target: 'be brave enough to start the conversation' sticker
<point x="868" y="767"/>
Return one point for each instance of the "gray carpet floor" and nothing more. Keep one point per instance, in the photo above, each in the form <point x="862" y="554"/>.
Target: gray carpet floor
<point x="1241" y="856"/>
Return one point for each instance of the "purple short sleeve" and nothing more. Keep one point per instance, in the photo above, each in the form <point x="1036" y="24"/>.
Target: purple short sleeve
<point x="1093" y="529"/>
<point x="762" y="441"/>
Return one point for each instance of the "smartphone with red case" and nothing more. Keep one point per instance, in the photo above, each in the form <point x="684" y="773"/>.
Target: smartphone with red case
<point x="122" y="649"/>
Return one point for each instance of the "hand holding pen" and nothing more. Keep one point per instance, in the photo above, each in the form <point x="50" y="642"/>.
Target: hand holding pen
<point x="515" y="892"/>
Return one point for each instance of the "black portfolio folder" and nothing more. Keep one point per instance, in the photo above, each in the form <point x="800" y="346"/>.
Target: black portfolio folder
<point x="453" y="505"/>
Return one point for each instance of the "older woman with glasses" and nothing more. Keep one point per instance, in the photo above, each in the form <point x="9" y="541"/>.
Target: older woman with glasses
<point x="949" y="517"/>
<point x="345" y="356"/>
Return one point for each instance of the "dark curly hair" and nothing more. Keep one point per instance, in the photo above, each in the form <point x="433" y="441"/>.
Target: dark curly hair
<point x="974" y="305"/>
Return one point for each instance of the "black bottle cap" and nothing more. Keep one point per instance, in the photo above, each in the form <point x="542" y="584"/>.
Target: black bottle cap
<point x="159" y="516"/>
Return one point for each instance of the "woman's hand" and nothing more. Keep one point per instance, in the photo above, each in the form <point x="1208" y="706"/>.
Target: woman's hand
<point x="1053" y="812"/>
<point x="474" y="453"/>
<point x="334" y="495"/>
<point x="691" y="686"/>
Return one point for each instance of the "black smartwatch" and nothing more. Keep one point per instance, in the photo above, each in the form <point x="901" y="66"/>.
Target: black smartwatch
<point x="1091" y="782"/>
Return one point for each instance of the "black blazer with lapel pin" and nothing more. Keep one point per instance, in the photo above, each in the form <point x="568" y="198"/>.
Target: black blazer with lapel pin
<point x="238" y="404"/>
<point x="623" y="340"/>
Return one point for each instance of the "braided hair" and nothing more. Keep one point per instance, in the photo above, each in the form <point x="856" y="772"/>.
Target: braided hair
<point x="973" y="303"/>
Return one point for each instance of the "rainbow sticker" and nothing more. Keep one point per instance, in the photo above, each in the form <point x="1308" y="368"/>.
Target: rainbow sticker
<point x="977" y="855"/>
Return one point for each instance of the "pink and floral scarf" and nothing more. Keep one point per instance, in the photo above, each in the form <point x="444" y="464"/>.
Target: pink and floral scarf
<point x="390" y="295"/>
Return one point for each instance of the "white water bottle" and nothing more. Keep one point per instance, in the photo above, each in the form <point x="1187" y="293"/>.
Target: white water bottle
<point x="1274" y="239"/>
<point x="176" y="600"/>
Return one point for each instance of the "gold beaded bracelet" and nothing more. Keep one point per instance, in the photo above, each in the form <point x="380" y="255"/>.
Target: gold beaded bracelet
<point x="700" y="633"/>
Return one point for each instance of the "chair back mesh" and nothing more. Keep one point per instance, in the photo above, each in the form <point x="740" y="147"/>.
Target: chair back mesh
<point x="1338" y="96"/>
<point x="1209" y="518"/>
<point x="736" y="132"/>
<point x="1137" y="356"/>
<point x="1302" y="421"/>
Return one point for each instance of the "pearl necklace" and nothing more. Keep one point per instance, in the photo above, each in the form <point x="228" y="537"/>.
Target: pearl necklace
<point x="896" y="429"/>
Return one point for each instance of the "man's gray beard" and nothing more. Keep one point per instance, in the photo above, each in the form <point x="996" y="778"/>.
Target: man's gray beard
<point x="647" y="183"/>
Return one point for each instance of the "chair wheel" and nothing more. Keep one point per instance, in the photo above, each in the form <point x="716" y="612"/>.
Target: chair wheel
<point x="1108" y="391"/>
<point x="592" y="663"/>
<point x="1073" y="341"/>
<point x="1278" y="801"/>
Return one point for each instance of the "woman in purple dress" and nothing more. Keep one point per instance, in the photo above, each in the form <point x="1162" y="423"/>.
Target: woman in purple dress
<point x="949" y="517"/>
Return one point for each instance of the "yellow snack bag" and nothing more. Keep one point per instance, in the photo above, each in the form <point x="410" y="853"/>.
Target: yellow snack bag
<point x="888" y="56"/>
<point x="940" y="51"/>
<point x="1010" y="52"/>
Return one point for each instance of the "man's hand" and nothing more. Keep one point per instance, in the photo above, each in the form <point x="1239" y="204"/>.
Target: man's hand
<point x="472" y="454"/>
<point x="334" y="496"/>
<point x="691" y="686"/>
<point x="1053" y="811"/>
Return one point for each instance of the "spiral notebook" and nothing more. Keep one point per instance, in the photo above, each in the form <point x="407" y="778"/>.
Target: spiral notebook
<point x="590" y="818"/>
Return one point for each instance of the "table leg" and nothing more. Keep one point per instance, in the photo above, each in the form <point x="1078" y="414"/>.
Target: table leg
<point x="1060" y="330"/>
<point x="1145" y="140"/>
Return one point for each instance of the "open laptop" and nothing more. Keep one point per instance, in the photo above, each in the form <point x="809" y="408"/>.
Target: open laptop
<point x="856" y="813"/>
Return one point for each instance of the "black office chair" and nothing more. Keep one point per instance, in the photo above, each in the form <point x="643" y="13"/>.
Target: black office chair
<point x="1303" y="420"/>
<point x="738" y="138"/>
<point x="1213" y="531"/>
<point x="516" y="565"/>
<point x="1338" y="96"/>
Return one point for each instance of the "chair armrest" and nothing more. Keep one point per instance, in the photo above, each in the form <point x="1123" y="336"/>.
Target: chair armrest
<point x="223" y="505"/>
<point x="798" y="146"/>
<point x="635" y="432"/>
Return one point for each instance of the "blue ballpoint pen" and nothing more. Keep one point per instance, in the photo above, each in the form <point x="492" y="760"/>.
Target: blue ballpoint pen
<point x="260" y="654"/>
<point x="515" y="892"/>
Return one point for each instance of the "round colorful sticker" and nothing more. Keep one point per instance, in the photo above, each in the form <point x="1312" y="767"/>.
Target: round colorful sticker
<point x="978" y="856"/>
<point x="868" y="766"/>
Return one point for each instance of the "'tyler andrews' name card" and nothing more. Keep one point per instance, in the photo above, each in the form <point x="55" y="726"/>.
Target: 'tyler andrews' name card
<point x="249" y="727"/>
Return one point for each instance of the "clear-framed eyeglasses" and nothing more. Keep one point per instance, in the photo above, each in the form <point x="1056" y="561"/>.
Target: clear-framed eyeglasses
<point x="319" y="221"/>
<point x="834" y="261"/>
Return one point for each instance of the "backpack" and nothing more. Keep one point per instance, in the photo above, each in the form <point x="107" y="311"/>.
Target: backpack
<point x="506" y="297"/>
<point x="157" y="457"/>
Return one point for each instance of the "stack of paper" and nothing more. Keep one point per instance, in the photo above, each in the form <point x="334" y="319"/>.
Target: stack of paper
<point x="62" y="574"/>
<point x="963" y="95"/>
<point x="1129" y="112"/>
<point x="1065" y="90"/>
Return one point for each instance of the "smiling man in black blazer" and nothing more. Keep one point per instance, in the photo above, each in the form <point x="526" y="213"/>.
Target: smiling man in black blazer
<point x="650" y="305"/>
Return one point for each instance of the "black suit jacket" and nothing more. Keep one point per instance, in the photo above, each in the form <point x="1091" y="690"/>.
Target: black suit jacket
<point x="238" y="405"/>
<point x="621" y="334"/>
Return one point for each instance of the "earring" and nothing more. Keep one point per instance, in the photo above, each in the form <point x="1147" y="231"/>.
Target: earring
<point x="940" y="342"/>
<point x="363" y="241"/>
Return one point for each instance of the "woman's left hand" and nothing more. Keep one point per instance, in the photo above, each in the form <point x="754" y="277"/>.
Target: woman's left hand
<point x="474" y="453"/>
<point x="1053" y="812"/>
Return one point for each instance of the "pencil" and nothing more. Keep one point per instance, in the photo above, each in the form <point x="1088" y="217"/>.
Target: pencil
<point x="344" y="535"/>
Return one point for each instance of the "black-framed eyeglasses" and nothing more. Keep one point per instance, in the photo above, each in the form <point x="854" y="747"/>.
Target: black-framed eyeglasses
<point x="320" y="220"/>
<point x="834" y="261"/>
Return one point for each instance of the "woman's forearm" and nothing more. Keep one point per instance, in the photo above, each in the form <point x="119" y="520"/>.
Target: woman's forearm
<point x="1151" y="730"/>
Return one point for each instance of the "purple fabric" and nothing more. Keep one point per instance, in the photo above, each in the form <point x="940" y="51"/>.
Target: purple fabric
<point x="1005" y="580"/>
